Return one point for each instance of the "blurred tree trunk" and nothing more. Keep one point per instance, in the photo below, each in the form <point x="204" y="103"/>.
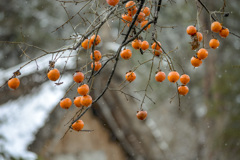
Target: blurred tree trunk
<point x="219" y="116"/>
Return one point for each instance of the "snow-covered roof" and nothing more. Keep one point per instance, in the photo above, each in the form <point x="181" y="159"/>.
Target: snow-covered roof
<point x="20" y="119"/>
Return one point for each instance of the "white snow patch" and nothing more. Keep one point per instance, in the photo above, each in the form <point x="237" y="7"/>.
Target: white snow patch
<point x="238" y="98"/>
<point x="20" y="119"/>
<point x="201" y="111"/>
<point x="112" y="46"/>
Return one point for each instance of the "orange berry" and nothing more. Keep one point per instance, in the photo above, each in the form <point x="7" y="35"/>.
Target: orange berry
<point x="130" y="76"/>
<point x="53" y="74"/>
<point x="86" y="100"/>
<point x="191" y="30"/>
<point x="97" y="41"/>
<point x="183" y="90"/>
<point x="141" y="115"/>
<point x="216" y="27"/>
<point x="136" y="44"/>
<point x="78" y="77"/>
<point x="196" y="62"/>
<point x="132" y="12"/>
<point x="97" y="67"/>
<point x="214" y="43"/>
<point x="199" y="36"/>
<point x="66" y="103"/>
<point x="224" y="32"/>
<point x="160" y="76"/>
<point x="144" y="23"/>
<point x="13" y="83"/>
<point x="77" y="101"/>
<point x="112" y="2"/>
<point x="157" y="52"/>
<point x="83" y="89"/>
<point x="173" y="76"/>
<point x="97" y="55"/>
<point x="184" y="79"/>
<point x="78" y="125"/>
<point x="156" y="46"/>
<point x="146" y="11"/>
<point x="126" y="18"/>
<point x="141" y="17"/>
<point x="126" y="54"/>
<point x="86" y="44"/>
<point x="130" y="5"/>
<point x="145" y="45"/>
<point x="202" y="53"/>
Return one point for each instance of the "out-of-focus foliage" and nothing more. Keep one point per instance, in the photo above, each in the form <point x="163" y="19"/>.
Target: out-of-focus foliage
<point x="31" y="22"/>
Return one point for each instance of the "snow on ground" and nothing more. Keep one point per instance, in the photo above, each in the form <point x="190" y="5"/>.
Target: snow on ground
<point x="20" y="119"/>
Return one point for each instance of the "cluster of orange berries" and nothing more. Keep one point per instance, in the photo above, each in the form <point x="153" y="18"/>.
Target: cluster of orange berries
<point x="86" y="44"/>
<point x="192" y="31"/>
<point x="96" y="59"/>
<point x="217" y="28"/>
<point x="196" y="61"/>
<point x="66" y="103"/>
<point x="160" y="76"/>
<point x="173" y="77"/>
<point x="144" y="45"/>
<point x="131" y="76"/>
<point x="80" y="101"/>
<point x="202" y="53"/>
<point x="131" y="11"/>
<point x="83" y="90"/>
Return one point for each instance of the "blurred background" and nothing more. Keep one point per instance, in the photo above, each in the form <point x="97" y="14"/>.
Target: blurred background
<point x="32" y="124"/>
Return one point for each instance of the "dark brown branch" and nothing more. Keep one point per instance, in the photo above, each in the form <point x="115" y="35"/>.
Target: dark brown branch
<point x="158" y="10"/>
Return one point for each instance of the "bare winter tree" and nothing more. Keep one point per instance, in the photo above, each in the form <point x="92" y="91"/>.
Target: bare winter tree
<point x="135" y="29"/>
